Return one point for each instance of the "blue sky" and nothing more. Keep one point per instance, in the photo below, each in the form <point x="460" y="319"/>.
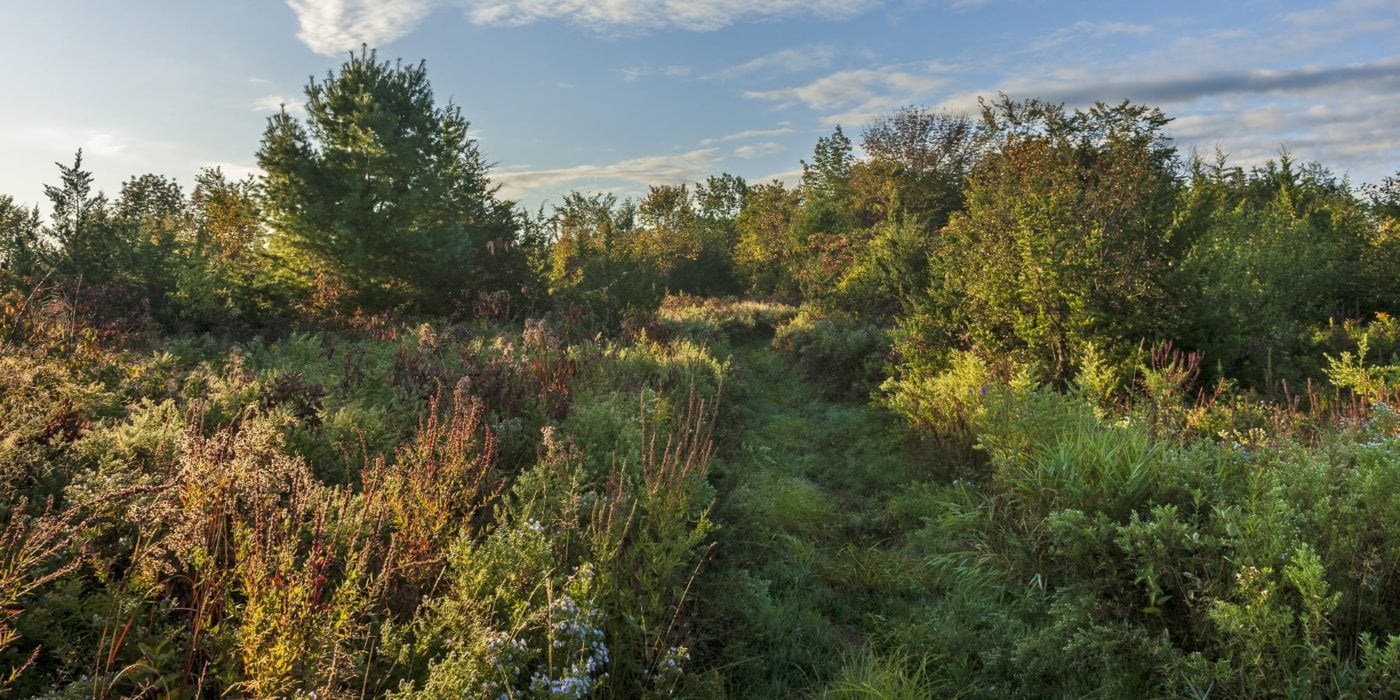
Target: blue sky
<point x="615" y="94"/>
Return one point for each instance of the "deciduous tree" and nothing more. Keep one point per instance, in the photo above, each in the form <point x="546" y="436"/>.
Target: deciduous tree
<point x="1067" y="237"/>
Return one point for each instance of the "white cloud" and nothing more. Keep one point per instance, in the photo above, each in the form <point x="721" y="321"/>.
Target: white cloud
<point x="1078" y="88"/>
<point x="860" y="94"/>
<point x="330" y="27"/>
<point x="103" y="144"/>
<point x="1241" y="91"/>
<point x="758" y="149"/>
<point x="699" y="15"/>
<point x="632" y="73"/>
<point x="235" y="171"/>
<point x="1084" y="31"/>
<point x="65" y="140"/>
<point x="794" y="60"/>
<point x="751" y="134"/>
<point x="274" y="103"/>
<point x="692" y="166"/>
<point x="1356" y="132"/>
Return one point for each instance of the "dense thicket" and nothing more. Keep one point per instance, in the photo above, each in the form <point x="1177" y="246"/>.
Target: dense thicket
<point x="1022" y="404"/>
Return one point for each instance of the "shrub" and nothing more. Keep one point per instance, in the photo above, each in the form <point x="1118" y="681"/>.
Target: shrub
<point x="843" y="351"/>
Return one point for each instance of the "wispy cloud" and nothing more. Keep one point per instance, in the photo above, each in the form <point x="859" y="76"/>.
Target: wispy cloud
<point x="787" y="177"/>
<point x="758" y="149"/>
<point x="751" y="134"/>
<point x="692" y="166"/>
<point x="331" y="26"/>
<point x="1238" y="89"/>
<point x="103" y="144"/>
<point x="1086" y="31"/>
<point x="632" y="73"/>
<point x="235" y="171"/>
<point x="1166" y="89"/>
<point x="794" y="60"/>
<point x="273" y="103"/>
<point x="699" y="15"/>
<point x="1357" y="133"/>
<point x="94" y="142"/>
<point x="854" y="96"/>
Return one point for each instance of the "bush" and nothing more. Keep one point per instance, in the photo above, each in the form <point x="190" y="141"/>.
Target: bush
<point x="844" y="352"/>
<point x="1160" y="566"/>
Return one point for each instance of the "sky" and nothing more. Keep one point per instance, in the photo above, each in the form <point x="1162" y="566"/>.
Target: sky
<point x="615" y="95"/>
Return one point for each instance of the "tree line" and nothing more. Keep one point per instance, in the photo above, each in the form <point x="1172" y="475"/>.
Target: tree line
<point x="1034" y="233"/>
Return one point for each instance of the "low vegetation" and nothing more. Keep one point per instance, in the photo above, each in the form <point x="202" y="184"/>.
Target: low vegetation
<point x="1023" y="406"/>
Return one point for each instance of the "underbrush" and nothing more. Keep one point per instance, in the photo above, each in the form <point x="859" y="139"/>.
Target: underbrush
<point x="462" y="510"/>
<point x="1213" y="547"/>
<point x="842" y="351"/>
<point x="436" y="510"/>
<point x="721" y="321"/>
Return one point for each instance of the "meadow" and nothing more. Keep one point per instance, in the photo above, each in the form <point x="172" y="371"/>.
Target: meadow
<point x="1021" y="405"/>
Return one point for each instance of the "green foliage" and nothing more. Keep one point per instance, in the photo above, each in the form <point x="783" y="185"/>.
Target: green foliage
<point x="79" y="223"/>
<point x="385" y="194"/>
<point x="1067" y="236"/>
<point x="1280" y="250"/>
<point x="1384" y="197"/>
<point x="269" y="518"/>
<point x="870" y="676"/>
<point x="918" y="163"/>
<point x="1372" y="382"/>
<point x="149" y="257"/>
<point x="581" y="589"/>
<point x="719" y="321"/>
<point x="884" y="273"/>
<point x="1157" y="567"/>
<point x="952" y="401"/>
<point x="842" y="349"/>
<point x="766" y="250"/>
<point x="690" y="237"/>
<point x="223" y="281"/>
<point x="22" y="249"/>
<point x="595" y="265"/>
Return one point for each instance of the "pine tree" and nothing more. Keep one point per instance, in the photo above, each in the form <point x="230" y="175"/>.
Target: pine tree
<point x="22" y="248"/>
<point x="385" y="193"/>
<point x="78" y="222"/>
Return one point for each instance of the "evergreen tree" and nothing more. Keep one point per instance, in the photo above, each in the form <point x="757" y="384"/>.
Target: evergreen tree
<point x="384" y="193"/>
<point x="151" y="222"/>
<point x="79" y="223"/>
<point x="22" y="247"/>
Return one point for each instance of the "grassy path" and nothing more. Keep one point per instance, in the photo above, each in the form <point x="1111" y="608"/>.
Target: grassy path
<point x="811" y="561"/>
